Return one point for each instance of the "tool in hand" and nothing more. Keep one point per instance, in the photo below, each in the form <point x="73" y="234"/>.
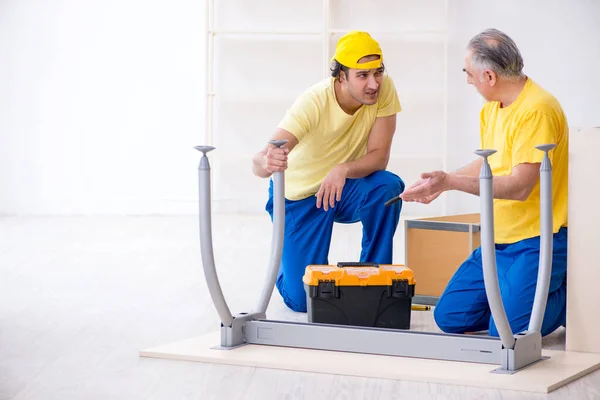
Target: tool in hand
<point x="392" y="201"/>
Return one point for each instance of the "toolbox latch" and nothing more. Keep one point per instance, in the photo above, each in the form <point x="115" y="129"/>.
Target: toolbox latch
<point x="328" y="290"/>
<point x="399" y="288"/>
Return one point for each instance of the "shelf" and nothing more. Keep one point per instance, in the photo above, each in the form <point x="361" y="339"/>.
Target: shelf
<point x="237" y="73"/>
<point x="264" y="33"/>
<point x="330" y="31"/>
<point x="399" y="15"/>
<point x="269" y="37"/>
<point x="267" y="15"/>
<point x="391" y="33"/>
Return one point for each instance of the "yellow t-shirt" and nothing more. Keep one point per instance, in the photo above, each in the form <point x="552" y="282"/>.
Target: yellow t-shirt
<point x="534" y="118"/>
<point x="327" y="136"/>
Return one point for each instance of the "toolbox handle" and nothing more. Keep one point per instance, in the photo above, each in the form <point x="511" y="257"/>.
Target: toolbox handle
<point x="357" y="264"/>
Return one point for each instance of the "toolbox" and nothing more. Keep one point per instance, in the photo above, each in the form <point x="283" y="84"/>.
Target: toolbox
<point x="360" y="294"/>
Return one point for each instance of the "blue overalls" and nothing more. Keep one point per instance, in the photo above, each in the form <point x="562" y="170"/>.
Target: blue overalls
<point x="308" y="229"/>
<point x="463" y="306"/>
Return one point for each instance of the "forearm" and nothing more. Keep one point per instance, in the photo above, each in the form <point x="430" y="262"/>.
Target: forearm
<point x="505" y="187"/>
<point x="375" y="160"/>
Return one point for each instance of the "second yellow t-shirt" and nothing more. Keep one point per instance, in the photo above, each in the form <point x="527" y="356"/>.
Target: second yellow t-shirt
<point x="534" y="118"/>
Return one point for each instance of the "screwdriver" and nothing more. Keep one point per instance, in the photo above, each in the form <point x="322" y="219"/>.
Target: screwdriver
<point x="417" y="307"/>
<point x="392" y="201"/>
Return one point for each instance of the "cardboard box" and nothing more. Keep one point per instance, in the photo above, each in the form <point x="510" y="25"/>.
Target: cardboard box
<point x="435" y="248"/>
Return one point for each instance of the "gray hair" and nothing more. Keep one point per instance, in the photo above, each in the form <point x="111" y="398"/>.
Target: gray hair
<point x="495" y="50"/>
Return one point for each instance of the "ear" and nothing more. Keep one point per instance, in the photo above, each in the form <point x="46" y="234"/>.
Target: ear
<point x="490" y="77"/>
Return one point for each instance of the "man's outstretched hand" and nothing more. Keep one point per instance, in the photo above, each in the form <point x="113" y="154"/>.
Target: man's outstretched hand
<point x="331" y="188"/>
<point x="428" y="188"/>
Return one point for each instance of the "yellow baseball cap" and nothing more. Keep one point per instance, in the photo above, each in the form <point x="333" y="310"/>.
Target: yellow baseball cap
<point x="355" y="45"/>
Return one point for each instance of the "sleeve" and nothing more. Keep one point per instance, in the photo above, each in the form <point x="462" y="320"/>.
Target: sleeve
<point x="388" y="103"/>
<point x="539" y="126"/>
<point x="302" y="116"/>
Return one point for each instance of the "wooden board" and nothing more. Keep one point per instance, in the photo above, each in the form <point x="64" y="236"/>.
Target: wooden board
<point x="462" y="218"/>
<point x="434" y="269"/>
<point x="583" y="265"/>
<point x="543" y="377"/>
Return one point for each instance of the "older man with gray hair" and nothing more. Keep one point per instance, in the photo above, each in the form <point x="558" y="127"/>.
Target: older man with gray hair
<point x="518" y="115"/>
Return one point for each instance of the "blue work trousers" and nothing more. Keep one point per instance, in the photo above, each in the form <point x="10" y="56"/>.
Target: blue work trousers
<point x="463" y="306"/>
<point x="308" y="229"/>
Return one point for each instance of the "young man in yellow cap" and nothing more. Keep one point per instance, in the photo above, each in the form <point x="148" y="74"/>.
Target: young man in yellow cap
<point x="519" y="115"/>
<point x="339" y="134"/>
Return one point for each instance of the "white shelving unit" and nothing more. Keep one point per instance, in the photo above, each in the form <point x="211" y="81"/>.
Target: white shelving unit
<point x="261" y="54"/>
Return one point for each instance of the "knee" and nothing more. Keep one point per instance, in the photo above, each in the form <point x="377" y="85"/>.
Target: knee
<point x="297" y="303"/>
<point x="441" y="318"/>
<point x="387" y="182"/>
<point x="444" y="319"/>
<point x="295" y="300"/>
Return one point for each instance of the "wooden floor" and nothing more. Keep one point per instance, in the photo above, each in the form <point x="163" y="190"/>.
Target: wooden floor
<point x="80" y="296"/>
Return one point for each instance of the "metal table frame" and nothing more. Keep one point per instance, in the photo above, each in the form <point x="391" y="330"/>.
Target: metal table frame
<point x="511" y="352"/>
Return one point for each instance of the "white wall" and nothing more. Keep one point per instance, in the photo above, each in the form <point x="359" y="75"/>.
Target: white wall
<point x="100" y="105"/>
<point x="102" y="101"/>
<point x="560" y="44"/>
